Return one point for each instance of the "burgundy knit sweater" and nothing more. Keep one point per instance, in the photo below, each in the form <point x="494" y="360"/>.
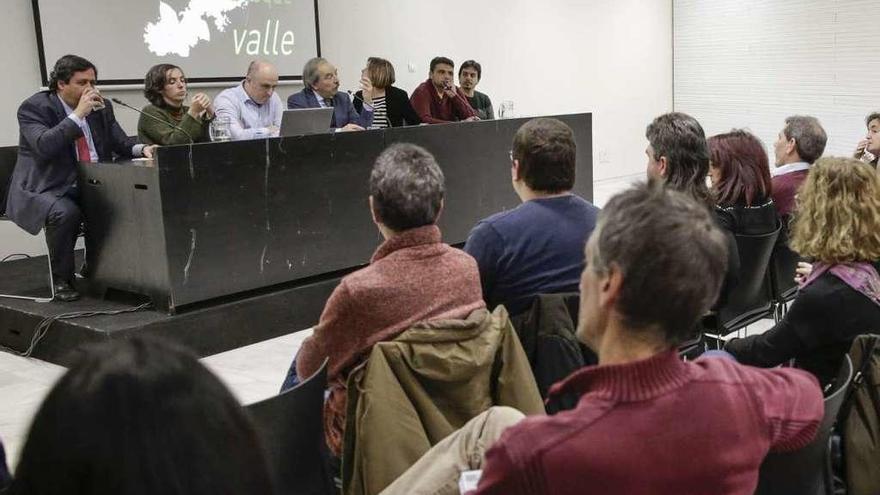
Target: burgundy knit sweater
<point x="785" y="188"/>
<point x="658" y="426"/>
<point x="433" y="108"/>
<point x="412" y="277"/>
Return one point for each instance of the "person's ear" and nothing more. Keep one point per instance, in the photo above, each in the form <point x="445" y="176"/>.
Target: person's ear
<point x="610" y="284"/>
<point x="440" y="211"/>
<point x="791" y="146"/>
<point x="515" y="170"/>
<point x="373" y="211"/>
<point x="662" y="166"/>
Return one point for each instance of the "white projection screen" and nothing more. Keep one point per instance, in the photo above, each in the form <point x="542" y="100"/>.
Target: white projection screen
<point x="211" y="40"/>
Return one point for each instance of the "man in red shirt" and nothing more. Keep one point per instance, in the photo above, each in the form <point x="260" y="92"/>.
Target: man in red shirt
<point x="646" y="422"/>
<point x="437" y="100"/>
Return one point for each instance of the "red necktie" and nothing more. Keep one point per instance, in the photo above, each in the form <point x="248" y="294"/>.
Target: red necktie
<point x="82" y="149"/>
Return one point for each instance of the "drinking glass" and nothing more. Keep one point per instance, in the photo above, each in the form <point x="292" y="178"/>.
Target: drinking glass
<point x="219" y="129"/>
<point x="506" y="110"/>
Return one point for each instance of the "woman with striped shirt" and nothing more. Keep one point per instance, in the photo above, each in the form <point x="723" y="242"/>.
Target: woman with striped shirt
<point x="391" y="107"/>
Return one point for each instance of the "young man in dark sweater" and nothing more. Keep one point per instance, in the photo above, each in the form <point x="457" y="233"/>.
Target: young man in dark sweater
<point x="646" y="422"/>
<point x="469" y="75"/>
<point x="537" y="247"/>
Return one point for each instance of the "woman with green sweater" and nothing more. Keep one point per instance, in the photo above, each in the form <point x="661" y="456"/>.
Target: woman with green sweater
<point x="173" y="122"/>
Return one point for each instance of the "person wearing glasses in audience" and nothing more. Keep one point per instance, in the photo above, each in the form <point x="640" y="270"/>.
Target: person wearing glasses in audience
<point x="469" y="75"/>
<point x="322" y="91"/>
<point x="173" y="122"/>
<point x="391" y="106"/>
<point x="253" y="108"/>
<point x="837" y="225"/>
<point x="868" y="149"/>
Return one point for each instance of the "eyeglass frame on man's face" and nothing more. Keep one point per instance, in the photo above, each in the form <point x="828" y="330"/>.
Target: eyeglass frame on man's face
<point x="510" y="153"/>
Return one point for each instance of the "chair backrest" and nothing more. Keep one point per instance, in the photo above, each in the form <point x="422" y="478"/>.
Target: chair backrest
<point x="808" y="471"/>
<point x="782" y="267"/>
<point x="8" y="156"/>
<point x="291" y="427"/>
<point x="752" y="292"/>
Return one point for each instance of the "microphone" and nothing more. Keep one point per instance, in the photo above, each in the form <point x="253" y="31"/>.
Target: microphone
<point x="354" y="96"/>
<point x="169" y="124"/>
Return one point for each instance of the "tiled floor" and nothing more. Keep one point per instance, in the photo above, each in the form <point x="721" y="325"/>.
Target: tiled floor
<point x="253" y="373"/>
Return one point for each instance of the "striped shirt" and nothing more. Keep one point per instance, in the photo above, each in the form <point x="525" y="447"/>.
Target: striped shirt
<point x="380" y="114"/>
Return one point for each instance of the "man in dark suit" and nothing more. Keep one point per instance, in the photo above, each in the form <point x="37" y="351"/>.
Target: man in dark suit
<point x="322" y="90"/>
<point x="68" y="123"/>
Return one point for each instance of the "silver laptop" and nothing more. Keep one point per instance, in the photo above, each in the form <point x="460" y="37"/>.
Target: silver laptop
<point x="305" y="121"/>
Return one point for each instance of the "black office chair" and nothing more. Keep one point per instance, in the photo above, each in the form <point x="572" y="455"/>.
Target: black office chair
<point x="291" y="427"/>
<point x="751" y="299"/>
<point x="808" y="471"/>
<point x="8" y="157"/>
<point x="783" y="264"/>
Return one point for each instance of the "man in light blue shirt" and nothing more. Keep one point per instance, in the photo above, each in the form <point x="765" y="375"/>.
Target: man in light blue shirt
<point x="252" y="107"/>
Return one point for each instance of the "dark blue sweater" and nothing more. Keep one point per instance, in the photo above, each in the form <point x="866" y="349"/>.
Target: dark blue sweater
<point x="535" y="248"/>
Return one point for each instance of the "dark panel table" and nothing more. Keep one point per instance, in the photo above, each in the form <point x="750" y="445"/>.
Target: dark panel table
<point x="218" y="219"/>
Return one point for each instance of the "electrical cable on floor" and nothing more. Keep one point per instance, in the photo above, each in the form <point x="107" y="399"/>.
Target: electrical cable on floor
<point x="43" y="327"/>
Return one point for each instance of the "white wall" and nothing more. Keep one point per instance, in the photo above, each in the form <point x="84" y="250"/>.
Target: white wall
<point x="555" y="56"/>
<point x="751" y="63"/>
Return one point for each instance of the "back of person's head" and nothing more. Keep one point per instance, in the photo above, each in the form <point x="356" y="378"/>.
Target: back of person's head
<point x="744" y="167"/>
<point x="546" y="152"/>
<point x="472" y="64"/>
<point x="138" y="417"/>
<point x="380" y="72"/>
<point x="407" y="187"/>
<point x="441" y="60"/>
<point x="838" y="214"/>
<point x="65" y="67"/>
<point x="671" y="254"/>
<point x="680" y="138"/>
<point x="808" y="134"/>
<point x="154" y="83"/>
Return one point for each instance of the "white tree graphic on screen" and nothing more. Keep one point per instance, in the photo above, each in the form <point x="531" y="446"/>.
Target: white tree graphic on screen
<point x="177" y="33"/>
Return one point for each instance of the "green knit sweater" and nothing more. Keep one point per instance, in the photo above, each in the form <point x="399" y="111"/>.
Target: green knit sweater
<point x="151" y="131"/>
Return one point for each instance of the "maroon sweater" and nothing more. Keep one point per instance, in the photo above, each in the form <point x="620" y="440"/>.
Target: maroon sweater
<point x="433" y="108"/>
<point x="785" y="188"/>
<point x="412" y="277"/>
<point x="659" y="425"/>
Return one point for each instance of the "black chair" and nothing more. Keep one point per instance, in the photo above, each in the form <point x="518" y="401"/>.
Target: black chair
<point x="751" y="299"/>
<point x="783" y="264"/>
<point x="808" y="471"/>
<point x="8" y="157"/>
<point x="291" y="427"/>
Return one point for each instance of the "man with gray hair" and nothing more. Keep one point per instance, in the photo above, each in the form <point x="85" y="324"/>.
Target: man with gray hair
<point x="321" y="90"/>
<point x="654" y="265"/>
<point x="412" y="277"/>
<point x="253" y="108"/>
<point x="800" y="143"/>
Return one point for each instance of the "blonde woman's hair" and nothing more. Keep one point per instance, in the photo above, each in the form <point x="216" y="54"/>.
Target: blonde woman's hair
<point x="838" y="212"/>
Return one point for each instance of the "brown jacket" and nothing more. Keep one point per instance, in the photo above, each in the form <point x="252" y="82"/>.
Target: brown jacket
<point x="422" y="386"/>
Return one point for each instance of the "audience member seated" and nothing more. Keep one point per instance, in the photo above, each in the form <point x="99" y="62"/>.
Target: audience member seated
<point x="646" y="422"/>
<point x="68" y="123"/>
<point x="391" y="107"/>
<point x="253" y="108"/>
<point x="173" y="122"/>
<point x="740" y="176"/>
<point x="837" y="226"/>
<point x="868" y="149"/>
<point x="412" y="277"/>
<point x="678" y="154"/>
<point x="140" y="416"/>
<point x="537" y="247"/>
<point x="799" y="144"/>
<point x="437" y="100"/>
<point x="469" y="75"/>
<point x="322" y="91"/>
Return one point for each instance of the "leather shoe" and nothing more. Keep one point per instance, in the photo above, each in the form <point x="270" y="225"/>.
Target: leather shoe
<point x="64" y="292"/>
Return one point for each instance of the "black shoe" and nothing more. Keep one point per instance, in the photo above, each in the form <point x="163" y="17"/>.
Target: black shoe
<point x="64" y="292"/>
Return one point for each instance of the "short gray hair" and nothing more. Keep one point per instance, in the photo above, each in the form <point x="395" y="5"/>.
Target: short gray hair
<point x="808" y="134"/>
<point x="310" y="70"/>
<point x="666" y="245"/>
<point x="407" y="187"/>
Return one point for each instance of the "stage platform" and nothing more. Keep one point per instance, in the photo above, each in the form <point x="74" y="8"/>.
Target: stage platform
<point x="220" y="325"/>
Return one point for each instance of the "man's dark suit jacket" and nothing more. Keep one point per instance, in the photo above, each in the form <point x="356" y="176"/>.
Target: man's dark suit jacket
<point x="46" y="166"/>
<point x="397" y="106"/>
<point x="343" y="111"/>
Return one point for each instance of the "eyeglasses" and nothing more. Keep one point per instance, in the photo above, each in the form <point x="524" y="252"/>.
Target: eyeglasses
<point x="510" y="154"/>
